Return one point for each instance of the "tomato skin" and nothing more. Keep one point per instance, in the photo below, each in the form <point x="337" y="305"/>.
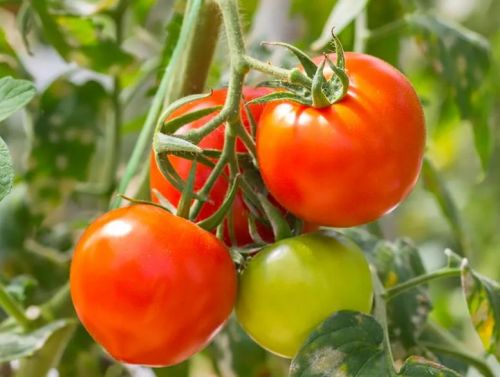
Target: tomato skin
<point x="150" y="287"/>
<point x="214" y="140"/>
<point x="349" y="163"/>
<point x="290" y="287"/>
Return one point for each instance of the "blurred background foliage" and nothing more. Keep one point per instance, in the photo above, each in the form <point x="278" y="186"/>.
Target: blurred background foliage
<point x="96" y="66"/>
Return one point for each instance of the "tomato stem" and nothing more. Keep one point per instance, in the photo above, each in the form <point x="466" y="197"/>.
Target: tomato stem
<point x="13" y="309"/>
<point x="380" y="313"/>
<point x="396" y="290"/>
<point x="443" y="342"/>
<point x="144" y="141"/>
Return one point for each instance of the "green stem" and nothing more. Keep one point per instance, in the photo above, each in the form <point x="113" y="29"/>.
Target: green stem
<point x="114" y="137"/>
<point x="442" y="342"/>
<point x="144" y="141"/>
<point x="209" y="183"/>
<point x="195" y="64"/>
<point x="380" y="314"/>
<point x="294" y="76"/>
<point x="392" y="292"/>
<point x="13" y="309"/>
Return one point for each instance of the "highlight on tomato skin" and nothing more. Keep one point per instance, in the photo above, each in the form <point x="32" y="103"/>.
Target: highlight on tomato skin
<point x="151" y="288"/>
<point x="349" y="163"/>
<point x="291" y="286"/>
<point x="214" y="140"/>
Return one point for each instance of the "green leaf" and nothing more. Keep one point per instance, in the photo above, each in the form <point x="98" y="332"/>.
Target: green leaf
<point x="462" y="58"/>
<point x="51" y="29"/>
<point x="483" y="300"/>
<point x="217" y="217"/>
<point x="350" y="344"/>
<point x="167" y="143"/>
<point x="281" y="229"/>
<point x="236" y="354"/>
<point x="343" y="13"/>
<point x="50" y="354"/>
<point x="397" y="262"/>
<point x="172" y="125"/>
<point x="437" y="187"/>
<point x="82" y="7"/>
<point x="6" y="170"/>
<point x="306" y="62"/>
<point x="14" y="94"/>
<point x="279" y="96"/>
<point x="187" y="193"/>
<point x="65" y="134"/>
<point x="16" y="345"/>
<point x="105" y="56"/>
<point x="418" y="367"/>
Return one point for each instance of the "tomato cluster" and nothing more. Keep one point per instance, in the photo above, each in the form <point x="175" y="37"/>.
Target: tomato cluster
<point x="153" y="288"/>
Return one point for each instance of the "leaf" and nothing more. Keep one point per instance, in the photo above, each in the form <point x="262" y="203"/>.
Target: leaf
<point x="217" y="217"/>
<point x="278" y="96"/>
<point x="418" y="367"/>
<point x="105" y="56"/>
<point x="51" y="29"/>
<point x="167" y="143"/>
<point x="236" y="354"/>
<point x="48" y="357"/>
<point x="343" y="13"/>
<point x="82" y="7"/>
<point x="281" y="229"/>
<point x="64" y="140"/>
<point x="462" y="59"/>
<point x="14" y="94"/>
<point x="6" y="170"/>
<point x="306" y="62"/>
<point x="172" y="125"/>
<point x="187" y="193"/>
<point x="483" y="301"/>
<point x="397" y="262"/>
<point x="350" y="344"/>
<point x="16" y="345"/>
<point x="437" y="187"/>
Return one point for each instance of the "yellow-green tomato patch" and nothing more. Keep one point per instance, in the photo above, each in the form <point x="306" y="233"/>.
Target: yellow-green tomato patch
<point x="290" y="287"/>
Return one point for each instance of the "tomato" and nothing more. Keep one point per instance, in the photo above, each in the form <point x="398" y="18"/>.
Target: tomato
<point x="351" y="162"/>
<point x="215" y="140"/>
<point x="291" y="286"/>
<point x="150" y="287"/>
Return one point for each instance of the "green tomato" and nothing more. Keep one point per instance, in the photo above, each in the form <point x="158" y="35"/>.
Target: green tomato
<point x="290" y="287"/>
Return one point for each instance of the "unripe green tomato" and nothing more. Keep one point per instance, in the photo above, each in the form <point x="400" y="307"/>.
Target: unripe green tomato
<point x="291" y="286"/>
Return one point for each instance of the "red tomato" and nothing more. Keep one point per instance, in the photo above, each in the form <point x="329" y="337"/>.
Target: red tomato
<point x="215" y="140"/>
<point x="150" y="287"/>
<point x="351" y="162"/>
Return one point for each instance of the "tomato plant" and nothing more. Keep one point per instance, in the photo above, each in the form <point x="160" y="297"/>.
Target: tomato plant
<point x="214" y="140"/>
<point x="150" y="287"/>
<point x="207" y="154"/>
<point x="292" y="286"/>
<point x="351" y="162"/>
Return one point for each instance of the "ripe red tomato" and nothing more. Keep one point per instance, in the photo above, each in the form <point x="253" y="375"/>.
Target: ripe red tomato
<point x="351" y="162"/>
<point x="215" y="140"/>
<point x="150" y="287"/>
<point x="291" y="286"/>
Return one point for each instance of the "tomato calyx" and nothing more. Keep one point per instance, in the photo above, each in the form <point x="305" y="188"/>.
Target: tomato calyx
<point x="323" y="92"/>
